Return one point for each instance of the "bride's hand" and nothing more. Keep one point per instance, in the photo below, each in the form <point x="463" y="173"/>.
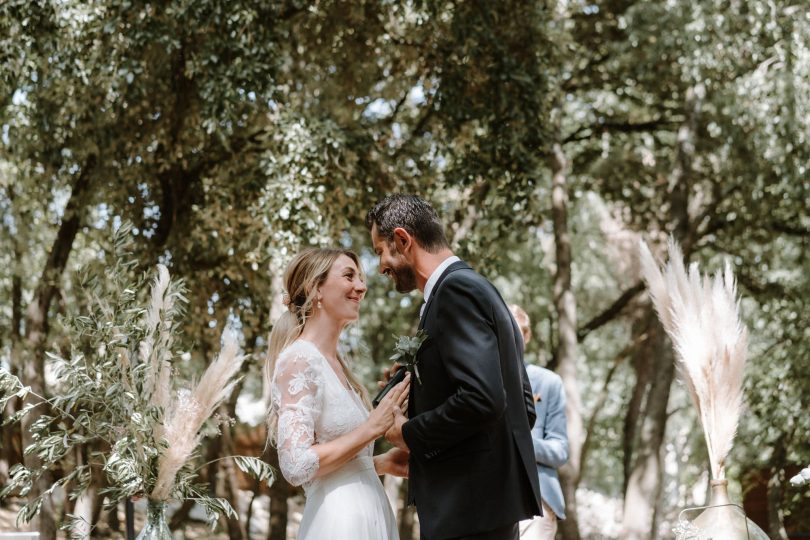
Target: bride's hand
<point x="382" y="418"/>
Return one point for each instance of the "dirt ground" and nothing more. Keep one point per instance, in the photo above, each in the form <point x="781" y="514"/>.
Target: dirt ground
<point x="193" y="529"/>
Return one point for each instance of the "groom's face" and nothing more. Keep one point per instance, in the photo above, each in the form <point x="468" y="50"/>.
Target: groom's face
<point x="393" y="263"/>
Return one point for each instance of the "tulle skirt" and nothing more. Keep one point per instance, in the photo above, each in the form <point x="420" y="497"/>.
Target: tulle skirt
<point x="349" y="504"/>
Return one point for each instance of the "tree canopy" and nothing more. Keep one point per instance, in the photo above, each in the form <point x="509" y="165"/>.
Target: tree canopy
<point x="232" y="134"/>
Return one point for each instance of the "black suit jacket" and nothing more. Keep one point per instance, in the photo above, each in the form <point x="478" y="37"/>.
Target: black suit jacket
<point x="472" y="463"/>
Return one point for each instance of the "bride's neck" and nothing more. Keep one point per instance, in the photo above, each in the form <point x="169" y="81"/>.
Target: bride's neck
<point x="324" y="333"/>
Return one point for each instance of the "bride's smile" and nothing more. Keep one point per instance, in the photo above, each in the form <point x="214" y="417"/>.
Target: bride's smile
<point x="343" y="290"/>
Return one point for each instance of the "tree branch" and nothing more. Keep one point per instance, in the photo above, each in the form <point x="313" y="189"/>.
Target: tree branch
<point x="417" y="130"/>
<point x="590" y="131"/>
<point x="789" y="229"/>
<point x="60" y="251"/>
<point x="611" y="312"/>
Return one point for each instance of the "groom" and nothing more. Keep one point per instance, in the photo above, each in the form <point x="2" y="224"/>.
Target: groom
<point x="468" y="430"/>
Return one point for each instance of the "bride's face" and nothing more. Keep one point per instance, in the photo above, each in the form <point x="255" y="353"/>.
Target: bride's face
<point x="343" y="290"/>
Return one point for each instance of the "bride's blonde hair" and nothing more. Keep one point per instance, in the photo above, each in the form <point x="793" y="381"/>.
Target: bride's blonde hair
<point x="304" y="275"/>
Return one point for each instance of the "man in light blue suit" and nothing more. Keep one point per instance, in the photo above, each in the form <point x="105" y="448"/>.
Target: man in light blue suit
<point x="550" y="440"/>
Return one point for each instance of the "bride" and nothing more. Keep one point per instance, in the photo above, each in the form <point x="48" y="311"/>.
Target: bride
<point x="319" y="416"/>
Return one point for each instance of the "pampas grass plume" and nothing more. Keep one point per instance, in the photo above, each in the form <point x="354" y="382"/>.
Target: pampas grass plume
<point x="701" y="316"/>
<point x="157" y="374"/>
<point x="189" y="411"/>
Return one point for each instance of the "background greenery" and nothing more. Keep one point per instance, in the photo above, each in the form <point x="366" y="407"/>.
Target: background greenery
<point x="231" y="134"/>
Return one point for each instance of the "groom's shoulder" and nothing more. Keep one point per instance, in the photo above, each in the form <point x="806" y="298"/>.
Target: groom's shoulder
<point x="461" y="272"/>
<point x="464" y="278"/>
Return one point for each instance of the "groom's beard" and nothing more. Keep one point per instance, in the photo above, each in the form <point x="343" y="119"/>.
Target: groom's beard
<point x="404" y="278"/>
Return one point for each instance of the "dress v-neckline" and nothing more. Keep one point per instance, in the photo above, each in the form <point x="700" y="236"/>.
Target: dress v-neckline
<point x="349" y="391"/>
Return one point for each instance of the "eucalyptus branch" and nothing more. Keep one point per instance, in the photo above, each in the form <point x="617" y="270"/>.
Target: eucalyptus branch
<point x="233" y="457"/>
<point x="207" y="463"/>
<point x="26" y="390"/>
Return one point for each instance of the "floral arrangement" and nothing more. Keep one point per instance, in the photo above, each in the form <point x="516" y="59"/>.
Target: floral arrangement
<point x="701" y="316"/>
<point x="115" y="397"/>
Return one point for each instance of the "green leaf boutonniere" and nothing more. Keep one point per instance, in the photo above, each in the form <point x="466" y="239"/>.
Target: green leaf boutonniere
<point x="405" y="351"/>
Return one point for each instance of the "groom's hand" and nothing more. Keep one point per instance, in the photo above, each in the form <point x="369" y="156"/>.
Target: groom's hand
<point x="394" y="433"/>
<point x="387" y="374"/>
<point x="393" y="462"/>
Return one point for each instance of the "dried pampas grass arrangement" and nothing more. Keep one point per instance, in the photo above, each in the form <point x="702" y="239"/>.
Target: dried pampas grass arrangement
<point x="701" y="316"/>
<point x="186" y="412"/>
<point x="189" y="410"/>
<point x="155" y="349"/>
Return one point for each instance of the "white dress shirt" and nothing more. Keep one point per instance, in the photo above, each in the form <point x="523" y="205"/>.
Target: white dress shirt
<point x="434" y="277"/>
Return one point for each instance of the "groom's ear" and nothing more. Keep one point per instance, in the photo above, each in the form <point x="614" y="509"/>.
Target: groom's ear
<point x="402" y="239"/>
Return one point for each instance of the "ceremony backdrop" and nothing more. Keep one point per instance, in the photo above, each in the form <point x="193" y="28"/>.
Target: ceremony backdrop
<point x="550" y="136"/>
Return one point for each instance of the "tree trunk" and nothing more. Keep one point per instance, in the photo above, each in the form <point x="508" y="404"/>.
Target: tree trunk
<point x="236" y="530"/>
<point x="249" y="516"/>
<point x="646" y="474"/>
<point x="179" y="518"/>
<point x="644" y="483"/>
<point x="89" y="504"/>
<point x="643" y="369"/>
<point x="280" y="491"/>
<point x="11" y="444"/>
<point x="84" y="512"/>
<point x="776" y="527"/>
<point x="113" y="522"/>
<point x="36" y="332"/>
<point x="565" y="305"/>
<point x="230" y="483"/>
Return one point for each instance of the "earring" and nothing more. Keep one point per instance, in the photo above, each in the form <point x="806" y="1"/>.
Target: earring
<point x="320" y="305"/>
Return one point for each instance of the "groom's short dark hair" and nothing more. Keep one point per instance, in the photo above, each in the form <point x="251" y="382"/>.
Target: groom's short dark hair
<point x="413" y="214"/>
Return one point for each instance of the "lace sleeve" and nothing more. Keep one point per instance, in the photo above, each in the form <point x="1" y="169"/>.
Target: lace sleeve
<point x="297" y="389"/>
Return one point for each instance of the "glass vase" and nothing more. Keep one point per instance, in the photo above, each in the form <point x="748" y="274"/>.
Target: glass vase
<point x="721" y="520"/>
<point x="156" y="527"/>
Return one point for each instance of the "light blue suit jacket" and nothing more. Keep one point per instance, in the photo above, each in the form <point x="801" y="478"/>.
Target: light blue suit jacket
<point x="549" y="435"/>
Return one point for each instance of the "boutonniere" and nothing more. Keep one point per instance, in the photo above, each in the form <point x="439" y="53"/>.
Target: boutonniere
<point x="405" y="351"/>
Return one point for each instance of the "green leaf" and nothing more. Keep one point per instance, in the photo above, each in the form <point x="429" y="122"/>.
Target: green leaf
<point x="214" y="507"/>
<point x="256" y="468"/>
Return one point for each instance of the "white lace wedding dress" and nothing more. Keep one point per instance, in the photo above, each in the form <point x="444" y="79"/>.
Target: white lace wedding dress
<point x="313" y="406"/>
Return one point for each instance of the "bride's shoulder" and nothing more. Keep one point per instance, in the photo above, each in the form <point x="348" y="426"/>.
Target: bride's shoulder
<point x="299" y="351"/>
<point x="298" y="369"/>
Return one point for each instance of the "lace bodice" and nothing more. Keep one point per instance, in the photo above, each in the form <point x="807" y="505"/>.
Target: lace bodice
<point x="313" y="406"/>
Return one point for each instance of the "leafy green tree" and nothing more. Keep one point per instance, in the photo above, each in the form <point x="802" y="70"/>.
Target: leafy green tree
<point x="234" y="135"/>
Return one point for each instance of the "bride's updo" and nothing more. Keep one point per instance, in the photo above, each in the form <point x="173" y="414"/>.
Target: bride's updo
<point x="304" y="275"/>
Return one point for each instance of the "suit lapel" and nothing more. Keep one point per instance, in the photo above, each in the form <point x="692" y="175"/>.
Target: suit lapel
<point x="458" y="265"/>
